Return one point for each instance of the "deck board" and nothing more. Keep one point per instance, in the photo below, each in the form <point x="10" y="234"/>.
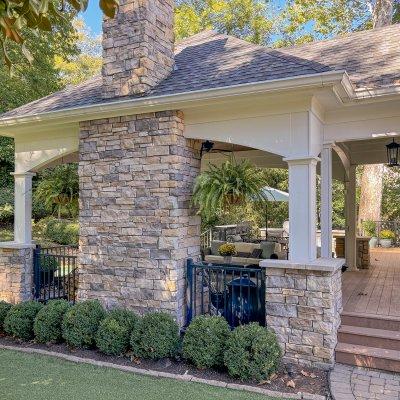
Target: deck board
<point x="375" y="291"/>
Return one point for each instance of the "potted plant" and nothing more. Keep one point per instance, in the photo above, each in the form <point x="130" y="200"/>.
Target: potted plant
<point x="227" y="250"/>
<point x="387" y="236"/>
<point x="369" y="228"/>
<point x="232" y="183"/>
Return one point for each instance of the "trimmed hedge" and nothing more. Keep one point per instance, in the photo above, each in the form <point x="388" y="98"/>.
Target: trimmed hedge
<point x="204" y="341"/>
<point x="252" y="353"/>
<point x="48" y="321"/>
<point x="4" y="309"/>
<point x="156" y="336"/>
<point x="80" y="323"/>
<point x="115" y="330"/>
<point x="19" y="320"/>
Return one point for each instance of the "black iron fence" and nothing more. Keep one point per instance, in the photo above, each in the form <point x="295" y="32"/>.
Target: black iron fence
<point x="235" y="292"/>
<point x="55" y="273"/>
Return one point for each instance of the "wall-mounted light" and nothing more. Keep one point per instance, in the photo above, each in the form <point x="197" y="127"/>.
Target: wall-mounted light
<point x="393" y="154"/>
<point x="206" y="147"/>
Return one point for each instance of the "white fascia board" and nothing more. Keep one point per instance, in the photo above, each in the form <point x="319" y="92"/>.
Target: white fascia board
<point x="180" y="100"/>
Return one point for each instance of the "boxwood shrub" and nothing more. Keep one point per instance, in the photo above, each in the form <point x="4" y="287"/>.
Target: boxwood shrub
<point x="155" y="336"/>
<point x="80" y="323"/>
<point x="115" y="331"/>
<point x="47" y="326"/>
<point x="19" y="320"/>
<point x="252" y="353"/>
<point x="4" y="309"/>
<point x="204" y="341"/>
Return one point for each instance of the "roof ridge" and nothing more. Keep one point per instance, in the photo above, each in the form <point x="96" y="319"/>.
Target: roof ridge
<point x="340" y="37"/>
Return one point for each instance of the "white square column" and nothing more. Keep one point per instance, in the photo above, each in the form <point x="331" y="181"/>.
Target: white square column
<point x="351" y="220"/>
<point x="23" y="207"/>
<point x="302" y="209"/>
<point x="326" y="201"/>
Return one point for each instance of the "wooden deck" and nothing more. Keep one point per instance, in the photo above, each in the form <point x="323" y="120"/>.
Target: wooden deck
<point x="376" y="291"/>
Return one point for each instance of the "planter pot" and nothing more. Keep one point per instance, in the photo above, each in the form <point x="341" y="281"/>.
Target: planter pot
<point x="386" y="243"/>
<point x="373" y="242"/>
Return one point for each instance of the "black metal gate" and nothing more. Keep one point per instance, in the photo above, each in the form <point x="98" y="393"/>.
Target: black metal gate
<point x="55" y="273"/>
<point x="235" y="292"/>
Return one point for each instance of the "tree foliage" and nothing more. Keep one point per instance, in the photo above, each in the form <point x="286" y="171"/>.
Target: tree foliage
<point x="18" y="17"/>
<point x="304" y="21"/>
<point x="58" y="190"/>
<point x="246" y="19"/>
<point x="86" y="63"/>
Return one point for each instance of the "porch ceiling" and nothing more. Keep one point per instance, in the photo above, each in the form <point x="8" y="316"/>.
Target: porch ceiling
<point x="372" y="151"/>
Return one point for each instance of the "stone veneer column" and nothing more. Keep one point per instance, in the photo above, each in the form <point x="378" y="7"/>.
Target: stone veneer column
<point x="16" y="273"/>
<point x="137" y="226"/>
<point x="303" y="306"/>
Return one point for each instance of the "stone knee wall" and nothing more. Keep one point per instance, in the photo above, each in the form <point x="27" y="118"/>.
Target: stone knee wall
<point x="16" y="274"/>
<point x="137" y="225"/>
<point x="303" y="308"/>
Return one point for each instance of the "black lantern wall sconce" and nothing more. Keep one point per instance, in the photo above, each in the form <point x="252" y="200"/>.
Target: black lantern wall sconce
<point x="393" y="154"/>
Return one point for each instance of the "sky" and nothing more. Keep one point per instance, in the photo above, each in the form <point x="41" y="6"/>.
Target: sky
<point x="93" y="15"/>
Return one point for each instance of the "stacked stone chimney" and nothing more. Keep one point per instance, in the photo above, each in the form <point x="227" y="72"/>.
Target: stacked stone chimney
<point x="138" y="47"/>
<point x="136" y="175"/>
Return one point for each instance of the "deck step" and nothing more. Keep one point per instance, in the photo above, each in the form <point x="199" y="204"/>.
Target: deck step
<point x="371" y="321"/>
<point x="365" y="356"/>
<point x="370" y="337"/>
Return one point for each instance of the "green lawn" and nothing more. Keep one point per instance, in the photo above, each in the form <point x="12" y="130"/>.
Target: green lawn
<point x="35" y="377"/>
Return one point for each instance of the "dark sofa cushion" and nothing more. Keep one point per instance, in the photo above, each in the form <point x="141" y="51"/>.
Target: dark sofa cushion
<point x="256" y="253"/>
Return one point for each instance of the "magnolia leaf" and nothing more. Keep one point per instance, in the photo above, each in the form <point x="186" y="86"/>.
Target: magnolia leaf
<point x="44" y="6"/>
<point x="75" y="4"/>
<point x="27" y="53"/>
<point x="83" y="5"/>
<point x="44" y="24"/>
<point x="109" y="7"/>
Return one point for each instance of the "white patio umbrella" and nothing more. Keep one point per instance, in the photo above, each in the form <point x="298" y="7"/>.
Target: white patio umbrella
<point x="272" y="194"/>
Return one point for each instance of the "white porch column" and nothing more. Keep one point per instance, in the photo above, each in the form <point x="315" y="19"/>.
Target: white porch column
<point x="326" y="201"/>
<point x="351" y="220"/>
<point x="23" y="207"/>
<point x="302" y="209"/>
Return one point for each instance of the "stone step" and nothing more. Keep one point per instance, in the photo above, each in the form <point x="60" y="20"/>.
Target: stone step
<point x="371" y="321"/>
<point x="371" y="357"/>
<point x="378" y="338"/>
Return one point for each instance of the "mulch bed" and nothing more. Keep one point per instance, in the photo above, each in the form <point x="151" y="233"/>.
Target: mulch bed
<point x="289" y="380"/>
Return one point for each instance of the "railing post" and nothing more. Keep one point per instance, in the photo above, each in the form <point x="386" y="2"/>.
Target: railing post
<point x="189" y="279"/>
<point x="36" y="272"/>
<point x="262" y="297"/>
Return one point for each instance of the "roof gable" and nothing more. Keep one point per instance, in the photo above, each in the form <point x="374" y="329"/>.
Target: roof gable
<point x="210" y="60"/>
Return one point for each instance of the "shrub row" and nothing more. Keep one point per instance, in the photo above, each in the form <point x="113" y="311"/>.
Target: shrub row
<point x="87" y="325"/>
<point x="248" y="352"/>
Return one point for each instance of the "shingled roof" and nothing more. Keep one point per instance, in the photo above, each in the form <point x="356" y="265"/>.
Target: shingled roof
<point x="211" y="60"/>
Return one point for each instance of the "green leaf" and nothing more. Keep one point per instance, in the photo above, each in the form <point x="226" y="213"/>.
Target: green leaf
<point x="27" y="53"/>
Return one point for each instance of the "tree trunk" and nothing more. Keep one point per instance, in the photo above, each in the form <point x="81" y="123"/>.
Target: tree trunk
<point x="371" y="193"/>
<point x="383" y="13"/>
<point x="372" y="177"/>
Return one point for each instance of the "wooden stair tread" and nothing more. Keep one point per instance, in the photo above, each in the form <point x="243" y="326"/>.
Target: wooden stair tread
<point x="371" y="332"/>
<point x="389" y="318"/>
<point x="368" y="351"/>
